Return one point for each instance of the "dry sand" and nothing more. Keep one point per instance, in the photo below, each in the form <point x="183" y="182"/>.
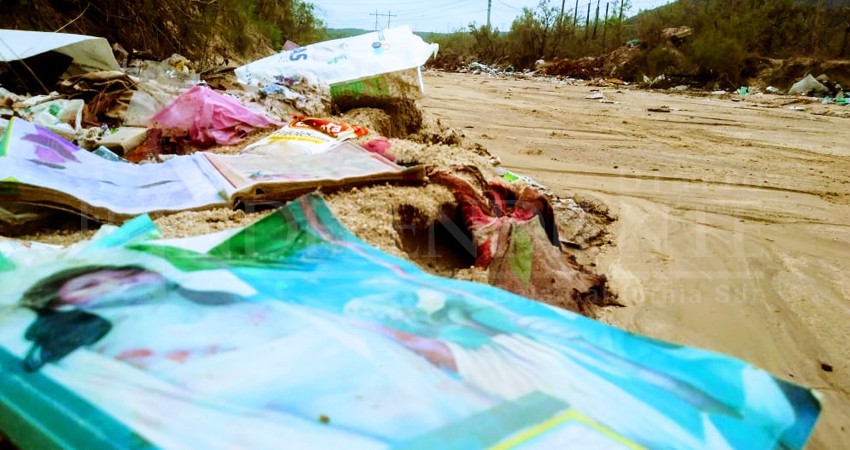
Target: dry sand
<point x="733" y="230"/>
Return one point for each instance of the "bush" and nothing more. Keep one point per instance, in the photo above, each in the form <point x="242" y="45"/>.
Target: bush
<point x="201" y="30"/>
<point x="661" y="60"/>
<point x="717" y="57"/>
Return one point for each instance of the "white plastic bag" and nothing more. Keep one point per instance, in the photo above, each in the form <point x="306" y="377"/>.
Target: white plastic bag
<point x="807" y="85"/>
<point x="342" y="60"/>
<point x="63" y="117"/>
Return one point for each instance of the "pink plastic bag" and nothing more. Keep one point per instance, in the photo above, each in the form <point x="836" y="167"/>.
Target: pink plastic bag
<point x="209" y="118"/>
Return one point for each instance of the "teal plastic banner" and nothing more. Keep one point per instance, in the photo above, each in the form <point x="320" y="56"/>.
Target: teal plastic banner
<point x="293" y="333"/>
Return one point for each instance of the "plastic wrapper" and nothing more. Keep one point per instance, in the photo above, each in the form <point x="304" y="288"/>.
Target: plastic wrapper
<point x="305" y="136"/>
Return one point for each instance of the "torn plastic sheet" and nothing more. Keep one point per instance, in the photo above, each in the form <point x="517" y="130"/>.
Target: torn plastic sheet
<point x="342" y="60"/>
<point x="208" y="118"/>
<point x="47" y="57"/>
<point x="331" y="343"/>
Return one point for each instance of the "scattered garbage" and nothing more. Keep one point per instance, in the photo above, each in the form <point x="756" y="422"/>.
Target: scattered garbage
<point x="743" y="91"/>
<point x="654" y="81"/>
<point x="808" y="85"/>
<point x="796" y="108"/>
<point x="595" y="96"/>
<point x="773" y="90"/>
<point x="660" y="109"/>
<point x="297" y="289"/>
<point x="477" y="67"/>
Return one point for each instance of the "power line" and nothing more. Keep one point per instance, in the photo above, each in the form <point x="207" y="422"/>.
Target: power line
<point x="389" y="15"/>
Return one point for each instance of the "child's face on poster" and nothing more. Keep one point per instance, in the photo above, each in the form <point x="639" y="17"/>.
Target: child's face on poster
<point x="103" y="285"/>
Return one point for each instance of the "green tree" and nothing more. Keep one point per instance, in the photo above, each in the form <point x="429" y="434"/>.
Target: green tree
<point x="488" y="45"/>
<point x="533" y="32"/>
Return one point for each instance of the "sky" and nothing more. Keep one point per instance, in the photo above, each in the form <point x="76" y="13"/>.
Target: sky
<point x="444" y="15"/>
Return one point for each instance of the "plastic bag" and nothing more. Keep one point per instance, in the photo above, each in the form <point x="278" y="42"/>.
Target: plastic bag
<point x="149" y="98"/>
<point x="808" y="84"/>
<point x="63" y="117"/>
<point x="342" y="60"/>
<point x="209" y="118"/>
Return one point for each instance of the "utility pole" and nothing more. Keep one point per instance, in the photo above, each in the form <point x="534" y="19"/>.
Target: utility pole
<point x="561" y="18"/>
<point x="816" y="29"/>
<point x="605" y="26"/>
<point x="587" y="20"/>
<point x="489" y="8"/>
<point x="575" y="16"/>
<point x="620" y="23"/>
<point x="596" y="21"/>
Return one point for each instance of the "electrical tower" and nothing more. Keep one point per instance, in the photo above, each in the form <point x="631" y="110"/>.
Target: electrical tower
<point x="389" y="15"/>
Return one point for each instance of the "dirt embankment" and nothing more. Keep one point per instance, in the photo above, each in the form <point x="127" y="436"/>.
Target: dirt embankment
<point x="732" y="231"/>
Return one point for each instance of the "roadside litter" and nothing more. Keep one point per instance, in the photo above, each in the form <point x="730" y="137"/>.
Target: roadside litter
<point x="298" y="290"/>
<point x="808" y="85"/>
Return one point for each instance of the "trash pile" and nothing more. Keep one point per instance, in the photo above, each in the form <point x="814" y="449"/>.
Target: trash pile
<point x="154" y="138"/>
<point x="303" y="317"/>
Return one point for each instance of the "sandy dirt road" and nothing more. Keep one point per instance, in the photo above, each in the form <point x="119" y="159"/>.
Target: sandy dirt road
<point x="733" y="230"/>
